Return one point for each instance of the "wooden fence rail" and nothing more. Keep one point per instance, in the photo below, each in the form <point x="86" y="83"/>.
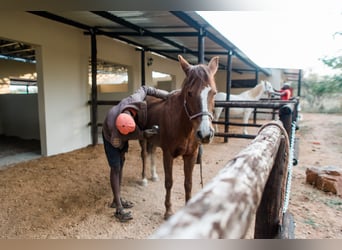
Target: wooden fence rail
<point x="225" y="207"/>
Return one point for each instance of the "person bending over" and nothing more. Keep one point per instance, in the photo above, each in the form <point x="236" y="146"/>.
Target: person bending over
<point x="122" y="123"/>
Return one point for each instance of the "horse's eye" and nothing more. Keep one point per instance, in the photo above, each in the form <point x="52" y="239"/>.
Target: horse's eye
<point x="189" y="94"/>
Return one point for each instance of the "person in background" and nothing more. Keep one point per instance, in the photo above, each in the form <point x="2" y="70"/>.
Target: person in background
<point x="285" y="93"/>
<point x="122" y="123"/>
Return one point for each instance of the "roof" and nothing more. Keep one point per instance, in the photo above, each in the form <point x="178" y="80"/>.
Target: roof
<point x="167" y="33"/>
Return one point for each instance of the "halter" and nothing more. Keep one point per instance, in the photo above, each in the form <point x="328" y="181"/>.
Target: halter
<point x="202" y="113"/>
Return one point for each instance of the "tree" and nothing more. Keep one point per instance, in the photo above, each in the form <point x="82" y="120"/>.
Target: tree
<point x="317" y="87"/>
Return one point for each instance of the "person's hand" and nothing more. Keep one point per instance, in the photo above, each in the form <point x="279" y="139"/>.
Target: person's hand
<point x="148" y="133"/>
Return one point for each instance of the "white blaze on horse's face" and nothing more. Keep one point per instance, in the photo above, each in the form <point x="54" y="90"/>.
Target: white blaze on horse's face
<point x="205" y="131"/>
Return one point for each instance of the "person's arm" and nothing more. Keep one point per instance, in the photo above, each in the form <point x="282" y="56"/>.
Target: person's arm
<point x="159" y="93"/>
<point x="277" y="93"/>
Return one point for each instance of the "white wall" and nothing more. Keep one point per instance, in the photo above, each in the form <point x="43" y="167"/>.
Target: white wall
<point x="62" y="56"/>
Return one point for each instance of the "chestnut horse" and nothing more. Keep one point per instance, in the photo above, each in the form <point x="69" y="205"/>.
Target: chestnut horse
<point x="185" y="122"/>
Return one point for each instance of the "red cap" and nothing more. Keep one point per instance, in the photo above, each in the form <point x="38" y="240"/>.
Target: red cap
<point x="125" y="123"/>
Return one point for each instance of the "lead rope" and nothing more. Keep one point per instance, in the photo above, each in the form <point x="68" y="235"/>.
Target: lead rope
<point x="199" y="161"/>
<point x="289" y="169"/>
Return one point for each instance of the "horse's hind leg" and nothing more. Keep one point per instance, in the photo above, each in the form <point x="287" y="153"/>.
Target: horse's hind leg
<point x="143" y="146"/>
<point x="152" y="155"/>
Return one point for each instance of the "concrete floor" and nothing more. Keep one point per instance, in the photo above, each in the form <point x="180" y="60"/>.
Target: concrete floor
<point x="14" y="150"/>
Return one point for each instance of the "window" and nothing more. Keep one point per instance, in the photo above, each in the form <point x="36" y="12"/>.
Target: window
<point x="162" y="80"/>
<point x="23" y="86"/>
<point x="111" y="77"/>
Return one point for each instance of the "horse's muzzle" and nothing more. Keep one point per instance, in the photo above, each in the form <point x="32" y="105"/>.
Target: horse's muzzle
<point x="205" y="137"/>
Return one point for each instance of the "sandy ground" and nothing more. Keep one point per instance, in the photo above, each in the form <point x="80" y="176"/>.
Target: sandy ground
<point x="68" y="195"/>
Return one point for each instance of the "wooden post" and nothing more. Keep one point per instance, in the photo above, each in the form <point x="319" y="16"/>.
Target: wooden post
<point x="269" y="213"/>
<point x="287" y="227"/>
<point x="224" y="208"/>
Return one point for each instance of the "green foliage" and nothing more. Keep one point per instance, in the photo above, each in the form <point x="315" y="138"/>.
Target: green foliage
<point x="323" y="86"/>
<point x="333" y="62"/>
<point x="317" y="89"/>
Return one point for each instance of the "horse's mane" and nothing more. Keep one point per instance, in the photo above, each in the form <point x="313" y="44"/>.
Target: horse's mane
<point x="256" y="91"/>
<point x="196" y="72"/>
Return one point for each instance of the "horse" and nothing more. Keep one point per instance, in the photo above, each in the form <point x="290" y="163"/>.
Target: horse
<point x="185" y="122"/>
<point x="254" y="94"/>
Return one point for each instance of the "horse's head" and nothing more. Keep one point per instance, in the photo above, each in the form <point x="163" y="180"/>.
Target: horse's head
<point x="198" y="91"/>
<point x="268" y="88"/>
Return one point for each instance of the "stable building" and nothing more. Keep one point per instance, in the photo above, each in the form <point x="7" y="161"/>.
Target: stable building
<point x="60" y="70"/>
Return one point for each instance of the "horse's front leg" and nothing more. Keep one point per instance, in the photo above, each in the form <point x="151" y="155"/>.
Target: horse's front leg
<point x="189" y="163"/>
<point x="246" y="114"/>
<point x="143" y="146"/>
<point x="168" y="164"/>
<point x="217" y="114"/>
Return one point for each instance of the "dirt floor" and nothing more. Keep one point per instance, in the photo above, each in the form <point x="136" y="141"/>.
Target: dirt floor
<point x="68" y="195"/>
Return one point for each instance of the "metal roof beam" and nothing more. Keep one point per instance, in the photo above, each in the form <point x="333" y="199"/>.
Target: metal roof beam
<point x="16" y="51"/>
<point x="8" y="44"/>
<point x="60" y="19"/>
<point x="185" y="51"/>
<point x="160" y="34"/>
<point x="188" y="20"/>
<point x="138" y="29"/>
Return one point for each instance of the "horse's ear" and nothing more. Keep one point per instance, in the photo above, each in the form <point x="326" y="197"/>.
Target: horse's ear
<point x="213" y="64"/>
<point x="185" y="65"/>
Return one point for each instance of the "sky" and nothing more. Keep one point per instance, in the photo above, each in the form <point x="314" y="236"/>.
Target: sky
<point x="283" y="38"/>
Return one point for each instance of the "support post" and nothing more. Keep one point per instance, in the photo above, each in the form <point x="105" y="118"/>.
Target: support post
<point x="255" y="109"/>
<point x="93" y="87"/>
<point x="228" y="87"/>
<point x="285" y="115"/>
<point x="257" y="76"/>
<point x="299" y="82"/>
<point x="143" y="77"/>
<point x="201" y="40"/>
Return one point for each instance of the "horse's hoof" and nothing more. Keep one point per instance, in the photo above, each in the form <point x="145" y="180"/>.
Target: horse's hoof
<point x="144" y="182"/>
<point x="155" y="178"/>
<point x="167" y="215"/>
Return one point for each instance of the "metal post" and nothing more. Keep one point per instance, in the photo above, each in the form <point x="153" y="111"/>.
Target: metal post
<point x="255" y="109"/>
<point x="93" y="87"/>
<point x="257" y="76"/>
<point x="285" y="115"/>
<point x="228" y="87"/>
<point x="143" y="78"/>
<point x="201" y="39"/>
<point x="299" y="82"/>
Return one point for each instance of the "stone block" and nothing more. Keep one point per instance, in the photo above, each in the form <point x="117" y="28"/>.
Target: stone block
<point x="327" y="178"/>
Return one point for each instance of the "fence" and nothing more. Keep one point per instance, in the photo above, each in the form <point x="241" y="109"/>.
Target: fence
<point x="273" y="104"/>
<point x="254" y="183"/>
